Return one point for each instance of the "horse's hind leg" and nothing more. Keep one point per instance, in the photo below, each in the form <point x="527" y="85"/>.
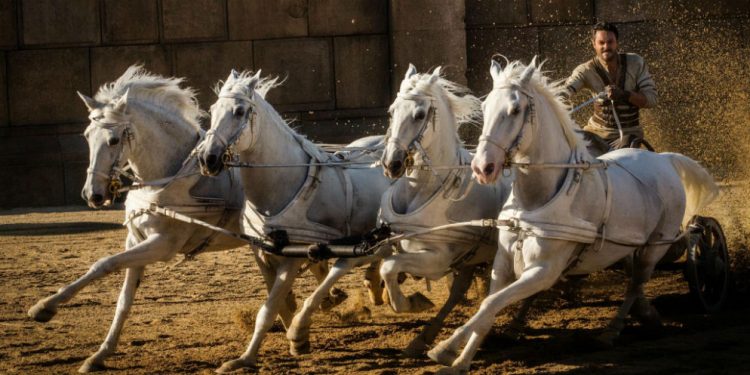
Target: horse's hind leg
<point x="286" y="272"/>
<point x="299" y="332"/>
<point x="644" y="262"/>
<point x="154" y="248"/>
<point x="96" y="361"/>
<point x="461" y="283"/>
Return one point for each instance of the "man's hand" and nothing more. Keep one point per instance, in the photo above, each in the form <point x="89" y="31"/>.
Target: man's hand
<point x="617" y="94"/>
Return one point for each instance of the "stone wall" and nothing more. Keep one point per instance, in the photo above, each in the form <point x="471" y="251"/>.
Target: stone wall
<point x="343" y="60"/>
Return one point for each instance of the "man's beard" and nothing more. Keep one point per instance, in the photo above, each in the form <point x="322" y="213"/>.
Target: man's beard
<point x="608" y="58"/>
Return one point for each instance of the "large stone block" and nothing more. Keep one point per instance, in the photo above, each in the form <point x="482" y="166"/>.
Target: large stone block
<point x="631" y="10"/>
<point x="74" y="178"/>
<point x="194" y="20"/>
<point x="3" y="93"/>
<point x="307" y="66"/>
<point x="426" y="50"/>
<point x="362" y="71"/>
<point x="43" y="84"/>
<point x="427" y="15"/>
<point x="561" y="11"/>
<point x="47" y="183"/>
<point x="71" y="22"/>
<point x="108" y="63"/>
<point x="205" y="64"/>
<point x="513" y="43"/>
<point x="120" y="17"/>
<point x="563" y="48"/>
<point x="262" y="19"/>
<point x="8" y="35"/>
<point x="346" y="17"/>
<point x="496" y="12"/>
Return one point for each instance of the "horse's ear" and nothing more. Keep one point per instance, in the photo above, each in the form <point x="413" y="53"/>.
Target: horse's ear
<point x="533" y="61"/>
<point x="235" y="74"/>
<point x="122" y="102"/>
<point x="412" y="70"/>
<point x="495" y="69"/>
<point x="527" y="73"/>
<point x="90" y="103"/>
<point x="435" y="75"/>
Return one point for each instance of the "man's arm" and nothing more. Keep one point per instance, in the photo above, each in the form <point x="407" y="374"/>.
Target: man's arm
<point x="644" y="95"/>
<point x="576" y="81"/>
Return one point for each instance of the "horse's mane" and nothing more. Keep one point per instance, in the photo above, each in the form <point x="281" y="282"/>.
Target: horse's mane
<point x="553" y="91"/>
<point x="465" y="107"/>
<point x="154" y="91"/>
<point x="241" y="85"/>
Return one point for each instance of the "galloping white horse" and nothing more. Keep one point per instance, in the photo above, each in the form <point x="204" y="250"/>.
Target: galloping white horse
<point x="152" y="124"/>
<point x="424" y="138"/>
<point x="311" y="199"/>
<point x="427" y="112"/>
<point x="569" y="213"/>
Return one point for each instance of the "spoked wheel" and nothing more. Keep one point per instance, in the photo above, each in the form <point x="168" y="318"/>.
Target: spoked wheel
<point x="707" y="266"/>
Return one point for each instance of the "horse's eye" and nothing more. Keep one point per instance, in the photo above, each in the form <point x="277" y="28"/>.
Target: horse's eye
<point x="239" y="111"/>
<point x="514" y="111"/>
<point x="113" y="141"/>
<point x="419" y="116"/>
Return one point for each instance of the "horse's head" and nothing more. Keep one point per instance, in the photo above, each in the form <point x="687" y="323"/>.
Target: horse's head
<point x="231" y="122"/>
<point x="507" y="111"/>
<point x="107" y="135"/>
<point x="412" y="113"/>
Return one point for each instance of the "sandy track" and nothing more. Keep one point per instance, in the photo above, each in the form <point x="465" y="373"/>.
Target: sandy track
<point x="187" y="320"/>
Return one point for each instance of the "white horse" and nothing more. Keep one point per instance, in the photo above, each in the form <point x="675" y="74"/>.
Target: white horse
<point x="427" y="112"/>
<point x="569" y="213"/>
<point x="312" y="200"/>
<point x="152" y="124"/>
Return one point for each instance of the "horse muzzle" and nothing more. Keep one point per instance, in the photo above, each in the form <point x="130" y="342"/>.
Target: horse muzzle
<point x="394" y="164"/>
<point x="211" y="164"/>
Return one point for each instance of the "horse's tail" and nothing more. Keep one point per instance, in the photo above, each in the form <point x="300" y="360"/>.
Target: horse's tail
<point x="700" y="188"/>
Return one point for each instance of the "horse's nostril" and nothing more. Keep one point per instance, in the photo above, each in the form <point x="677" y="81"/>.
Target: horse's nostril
<point x="489" y="169"/>
<point x="395" y="166"/>
<point x="211" y="159"/>
<point x="97" y="198"/>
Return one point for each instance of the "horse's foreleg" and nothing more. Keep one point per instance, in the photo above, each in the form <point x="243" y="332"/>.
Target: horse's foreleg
<point x="335" y="296"/>
<point x="125" y="301"/>
<point x="539" y="274"/>
<point x="423" y="263"/>
<point x="299" y="332"/>
<point x="286" y="272"/>
<point x="373" y="283"/>
<point x="286" y="311"/>
<point x="460" y="285"/>
<point x="155" y="248"/>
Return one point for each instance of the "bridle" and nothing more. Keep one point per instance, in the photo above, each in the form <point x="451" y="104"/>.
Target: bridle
<point x="247" y="121"/>
<point x="415" y="145"/>
<point x="113" y="175"/>
<point x="529" y="114"/>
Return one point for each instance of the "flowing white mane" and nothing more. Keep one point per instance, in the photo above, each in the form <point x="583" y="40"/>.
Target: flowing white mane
<point x="154" y="90"/>
<point x="241" y="84"/>
<point x="552" y="91"/>
<point x="466" y="107"/>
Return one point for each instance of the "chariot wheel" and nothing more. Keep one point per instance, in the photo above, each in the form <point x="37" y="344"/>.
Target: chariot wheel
<point x="707" y="266"/>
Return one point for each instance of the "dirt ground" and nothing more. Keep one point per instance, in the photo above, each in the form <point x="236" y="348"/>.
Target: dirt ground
<point x="192" y="318"/>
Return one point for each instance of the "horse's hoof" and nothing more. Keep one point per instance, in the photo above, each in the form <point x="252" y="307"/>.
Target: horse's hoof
<point x="234" y="365"/>
<point x="335" y="298"/>
<point x="647" y="315"/>
<point x="42" y="313"/>
<point x="299" y="347"/>
<point x="418" y="303"/>
<point x="442" y="354"/>
<point x="416" y="348"/>
<point x="92" y="365"/>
